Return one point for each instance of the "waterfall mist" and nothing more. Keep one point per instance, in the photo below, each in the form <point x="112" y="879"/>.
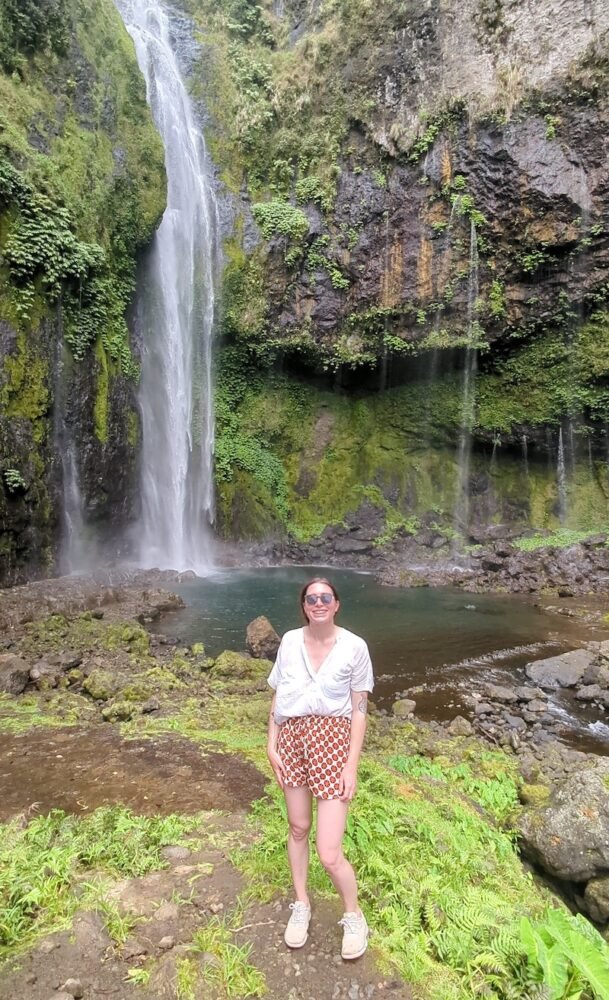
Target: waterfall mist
<point x="175" y="315"/>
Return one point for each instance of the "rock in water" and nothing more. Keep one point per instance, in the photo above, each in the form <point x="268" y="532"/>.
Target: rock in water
<point x="261" y="639"/>
<point x="566" y="670"/>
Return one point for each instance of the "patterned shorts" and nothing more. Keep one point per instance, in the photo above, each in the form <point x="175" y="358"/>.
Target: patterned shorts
<point x="314" y="751"/>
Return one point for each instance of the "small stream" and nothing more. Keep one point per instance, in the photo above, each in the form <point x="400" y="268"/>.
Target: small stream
<point x="442" y="641"/>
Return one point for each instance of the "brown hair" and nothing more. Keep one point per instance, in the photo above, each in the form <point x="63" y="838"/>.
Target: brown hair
<point x="316" y="579"/>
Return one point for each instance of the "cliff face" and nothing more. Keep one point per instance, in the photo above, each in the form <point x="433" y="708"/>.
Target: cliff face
<point x="422" y="192"/>
<point x="82" y="188"/>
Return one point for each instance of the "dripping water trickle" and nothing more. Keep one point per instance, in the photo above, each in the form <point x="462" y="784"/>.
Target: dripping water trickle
<point x="468" y="395"/>
<point x="525" y="455"/>
<point x="561" y="479"/>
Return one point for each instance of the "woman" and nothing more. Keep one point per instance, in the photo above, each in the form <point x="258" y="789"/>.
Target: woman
<point x="322" y="676"/>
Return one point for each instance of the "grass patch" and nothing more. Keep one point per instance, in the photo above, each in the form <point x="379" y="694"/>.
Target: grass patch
<point x="231" y="972"/>
<point x="560" y="539"/>
<point x="238" y="723"/>
<point x="43" y="863"/>
<point x="443" y="888"/>
<point x="19" y="715"/>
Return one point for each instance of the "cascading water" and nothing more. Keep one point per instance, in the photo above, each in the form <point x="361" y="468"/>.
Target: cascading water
<point x="175" y="315"/>
<point x="461" y="515"/>
<point x="561" y="479"/>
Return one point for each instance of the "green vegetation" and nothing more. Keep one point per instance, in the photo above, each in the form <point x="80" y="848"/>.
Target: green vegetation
<point x="45" y="865"/>
<point x="14" y="480"/>
<point x="27" y="26"/>
<point x="294" y="459"/>
<point x="231" y="972"/>
<point x="82" y="188"/>
<point x="279" y="218"/>
<point x="75" y="221"/>
<point x="560" y="539"/>
<point x="442" y="887"/>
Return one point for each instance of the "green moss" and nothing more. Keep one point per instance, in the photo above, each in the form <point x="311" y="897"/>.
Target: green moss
<point x="76" y="213"/>
<point x="245" y="303"/>
<point x="133" y="429"/>
<point x="100" y="407"/>
<point x="25" y="392"/>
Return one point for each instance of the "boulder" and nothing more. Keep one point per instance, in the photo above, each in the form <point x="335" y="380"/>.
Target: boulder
<point x="45" y="675"/>
<point x="569" y="836"/>
<point x="529" y="693"/>
<point x="403" y="707"/>
<point x="597" y="672"/>
<point x="588" y="692"/>
<point x="565" y="670"/>
<point x="460" y="727"/>
<point x="596" y="898"/>
<point x="120" y="711"/>
<point x="100" y="685"/>
<point x="261" y="639"/>
<point x="14" y="674"/>
<point x="498" y="692"/>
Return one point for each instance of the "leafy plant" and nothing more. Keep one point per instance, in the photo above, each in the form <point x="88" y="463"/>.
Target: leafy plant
<point x="567" y="955"/>
<point x="279" y="218"/>
<point x="15" y="483"/>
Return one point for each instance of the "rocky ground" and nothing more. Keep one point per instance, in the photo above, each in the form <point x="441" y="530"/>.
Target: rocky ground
<point x="74" y="683"/>
<point x="491" y="562"/>
<point x="97" y="711"/>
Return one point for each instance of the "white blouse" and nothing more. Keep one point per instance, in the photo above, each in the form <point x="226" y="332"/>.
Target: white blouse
<point x="301" y="690"/>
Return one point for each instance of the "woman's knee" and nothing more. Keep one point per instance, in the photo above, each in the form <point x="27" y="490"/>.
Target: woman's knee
<point x="331" y="857"/>
<point x="300" y="831"/>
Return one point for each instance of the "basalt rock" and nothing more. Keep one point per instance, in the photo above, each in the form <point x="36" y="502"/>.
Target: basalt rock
<point x="261" y="640"/>
<point x="565" y="670"/>
<point x="14" y="674"/>
<point x="569" y="837"/>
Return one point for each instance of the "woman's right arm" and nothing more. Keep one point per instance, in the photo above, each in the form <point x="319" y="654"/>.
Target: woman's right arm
<point x="274" y="758"/>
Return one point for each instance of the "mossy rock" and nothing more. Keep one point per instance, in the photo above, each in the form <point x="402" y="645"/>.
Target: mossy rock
<point x="135" y="693"/>
<point x="236" y="666"/>
<point x="99" y="685"/>
<point x="534" y="795"/>
<point x="120" y="711"/>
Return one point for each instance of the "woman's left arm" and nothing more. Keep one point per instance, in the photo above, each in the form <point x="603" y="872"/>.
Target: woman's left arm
<point x="359" y="719"/>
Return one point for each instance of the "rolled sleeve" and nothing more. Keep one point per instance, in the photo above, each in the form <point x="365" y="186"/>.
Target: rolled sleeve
<point x="362" y="677"/>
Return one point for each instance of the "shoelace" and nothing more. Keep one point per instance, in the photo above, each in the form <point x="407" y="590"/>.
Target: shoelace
<point x="350" y="922"/>
<point x="300" y="913"/>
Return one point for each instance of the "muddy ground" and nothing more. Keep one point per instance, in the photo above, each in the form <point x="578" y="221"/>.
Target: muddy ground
<point x="165" y="775"/>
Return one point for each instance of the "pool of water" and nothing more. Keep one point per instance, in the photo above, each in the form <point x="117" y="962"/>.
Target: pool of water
<point x="438" y="640"/>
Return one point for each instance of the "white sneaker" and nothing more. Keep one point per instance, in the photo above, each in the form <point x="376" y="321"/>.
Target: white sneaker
<point x="355" y="935"/>
<point x="297" y="931"/>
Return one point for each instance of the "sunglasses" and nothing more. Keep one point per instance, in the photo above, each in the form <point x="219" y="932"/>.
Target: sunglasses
<point x="312" y="599"/>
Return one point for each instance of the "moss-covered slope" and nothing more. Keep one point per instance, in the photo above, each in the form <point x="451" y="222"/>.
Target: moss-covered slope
<point x="82" y="189"/>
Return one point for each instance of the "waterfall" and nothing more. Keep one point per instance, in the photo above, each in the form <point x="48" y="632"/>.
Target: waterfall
<point x="525" y="455"/>
<point x="175" y="314"/>
<point x="462" y="505"/>
<point x="561" y="478"/>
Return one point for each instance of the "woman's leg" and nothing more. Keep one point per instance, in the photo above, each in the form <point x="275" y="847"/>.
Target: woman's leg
<point x="298" y="802"/>
<point x="331" y="822"/>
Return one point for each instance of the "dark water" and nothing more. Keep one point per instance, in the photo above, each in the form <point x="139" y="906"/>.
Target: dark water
<point x="441" y="641"/>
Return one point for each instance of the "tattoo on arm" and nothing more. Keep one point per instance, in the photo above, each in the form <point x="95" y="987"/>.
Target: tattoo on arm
<point x="363" y="704"/>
